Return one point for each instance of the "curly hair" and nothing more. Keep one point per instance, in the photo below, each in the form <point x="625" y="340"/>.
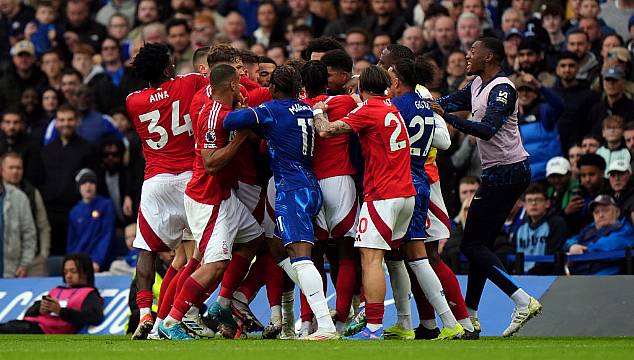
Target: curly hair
<point x="315" y="76"/>
<point x="151" y="61"/>
<point x="414" y="71"/>
<point x="287" y="80"/>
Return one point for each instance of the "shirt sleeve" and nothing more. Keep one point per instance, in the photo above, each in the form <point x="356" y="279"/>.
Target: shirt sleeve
<point x="500" y="105"/>
<point x="457" y="101"/>
<point x="239" y="119"/>
<point x="212" y="134"/>
<point x="356" y="119"/>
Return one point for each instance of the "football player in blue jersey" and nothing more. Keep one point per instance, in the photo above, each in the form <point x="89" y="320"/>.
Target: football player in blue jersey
<point x="287" y="126"/>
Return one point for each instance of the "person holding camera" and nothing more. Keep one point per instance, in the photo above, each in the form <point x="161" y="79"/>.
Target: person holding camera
<point x="66" y="308"/>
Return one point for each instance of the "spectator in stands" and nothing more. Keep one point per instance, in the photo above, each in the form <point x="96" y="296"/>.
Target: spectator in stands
<point x="614" y="101"/>
<point x="553" y="22"/>
<point x="270" y="27"/>
<point x="385" y="18"/>
<point x="111" y="91"/>
<point x="537" y="121"/>
<point x="63" y="157"/>
<point x="610" y="42"/>
<point x="450" y="250"/>
<point x="513" y="19"/>
<point x="617" y="15"/>
<point x="591" y="143"/>
<point x="65" y="309"/>
<point x="79" y="26"/>
<point x="467" y="187"/>
<point x="578" y="42"/>
<point x="300" y="10"/>
<point x="13" y="174"/>
<point x="154" y="33"/>
<point x="512" y="40"/>
<point x="628" y="136"/>
<point x="542" y="233"/>
<point x="379" y="43"/>
<point x="234" y="27"/>
<point x="591" y="171"/>
<point x="83" y="62"/>
<point x="51" y="64"/>
<point x="574" y="154"/>
<point x="622" y="189"/>
<point x="577" y="97"/>
<point x="14" y="16"/>
<point x="147" y="12"/>
<point x="203" y="30"/>
<point x="445" y="39"/>
<point x="318" y="47"/>
<point x="358" y="45"/>
<point x="126" y="8"/>
<point x="561" y="186"/>
<point x="456" y="70"/>
<point x="44" y="31"/>
<point x="591" y="27"/>
<point x="530" y="58"/>
<point x="132" y="159"/>
<point x="17" y="232"/>
<point x="178" y="38"/>
<point x="22" y="74"/>
<point x="350" y="16"/>
<point x="618" y="57"/>
<point x="112" y="180"/>
<point x="608" y="232"/>
<point x="301" y="35"/>
<point x="93" y="125"/>
<point x="339" y="65"/>
<point x="614" y="148"/>
<point x="13" y="138"/>
<point x="477" y="7"/>
<point x="468" y="30"/>
<point x="413" y="39"/>
<point x="91" y="222"/>
<point x="278" y="53"/>
<point x="51" y="99"/>
<point x="119" y="28"/>
<point x="466" y="158"/>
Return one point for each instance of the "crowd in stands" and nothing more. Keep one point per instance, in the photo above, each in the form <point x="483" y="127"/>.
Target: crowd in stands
<point x="72" y="167"/>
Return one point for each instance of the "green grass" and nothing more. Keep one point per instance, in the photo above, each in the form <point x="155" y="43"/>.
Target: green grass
<point x="117" y="347"/>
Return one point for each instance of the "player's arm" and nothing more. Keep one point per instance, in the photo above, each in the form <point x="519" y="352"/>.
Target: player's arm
<point x="457" y="101"/>
<point x="500" y="105"/>
<point x="240" y="119"/>
<point x="441" y="139"/>
<point x="324" y="127"/>
<point x="215" y="160"/>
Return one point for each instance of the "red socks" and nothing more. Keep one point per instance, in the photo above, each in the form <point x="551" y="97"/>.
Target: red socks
<point x="452" y="289"/>
<point x="274" y="281"/>
<point x="167" y="279"/>
<point x="346" y="277"/>
<point x="255" y="279"/>
<point x="374" y="313"/>
<point x="189" y="269"/>
<point x="235" y="273"/>
<point x="190" y="294"/>
<point x="144" y="298"/>
<point x="168" y="297"/>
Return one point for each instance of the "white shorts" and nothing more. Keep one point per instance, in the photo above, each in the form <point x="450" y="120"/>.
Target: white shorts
<point x="382" y="223"/>
<point x="217" y="227"/>
<point x="337" y="217"/>
<point x="253" y="198"/>
<point x="269" y="214"/>
<point x="438" y="224"/>
<point x="162" y="222"/>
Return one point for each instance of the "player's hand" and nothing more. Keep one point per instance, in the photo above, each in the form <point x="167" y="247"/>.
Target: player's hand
<point x="575" y="205"/>
<point x="577" y="249"/>
<point x="127" y="206"/>
<point x="21" y="272"/>
<point x="436" y="107"/>
<point x="320" y="105"/>
<point x="241" y="103"/>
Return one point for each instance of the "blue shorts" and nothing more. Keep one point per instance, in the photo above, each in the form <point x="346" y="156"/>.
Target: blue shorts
<point x="418" y="223"/>
<point x="295" y="212"/>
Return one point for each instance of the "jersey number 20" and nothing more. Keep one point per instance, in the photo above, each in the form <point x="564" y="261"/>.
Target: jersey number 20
<point x="177" y="128"/>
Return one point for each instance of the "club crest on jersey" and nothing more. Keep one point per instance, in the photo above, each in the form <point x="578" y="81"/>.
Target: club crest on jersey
<point x="211" y="136"/>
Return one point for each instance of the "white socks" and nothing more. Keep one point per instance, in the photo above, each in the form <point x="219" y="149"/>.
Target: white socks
<point x="466" y="324"/>
<point x="374" y="327"/>
<point x="429" y="324"/>
<point x="289" y="269"/>
<point x="276" y="315"/>
<point x="224" y="302"/>
<point x="472" y="313"/>
<point x="288" y="311"/>
<point x="170" y="321"/>
<point x="401" y="288"/>
<point x="193" y="312"/>
<point x="144" y="311"/>
<point x="428" y="281"/>
<point x="311" y="284"/>
<point x="521" y="299"/>
<point x="240" y="297"/>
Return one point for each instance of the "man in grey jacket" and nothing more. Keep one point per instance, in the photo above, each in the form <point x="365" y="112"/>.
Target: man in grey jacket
<point x="17" y="232"/>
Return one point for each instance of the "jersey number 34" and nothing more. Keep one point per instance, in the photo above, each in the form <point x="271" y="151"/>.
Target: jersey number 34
<point x="177" y="128"/>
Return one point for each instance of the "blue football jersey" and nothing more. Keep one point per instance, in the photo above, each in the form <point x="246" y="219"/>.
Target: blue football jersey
<point x="287" y="127"/>
<point x="419" y="120"/>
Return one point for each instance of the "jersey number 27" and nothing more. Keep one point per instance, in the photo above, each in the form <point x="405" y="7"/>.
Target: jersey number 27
<point x="177" y="128"/>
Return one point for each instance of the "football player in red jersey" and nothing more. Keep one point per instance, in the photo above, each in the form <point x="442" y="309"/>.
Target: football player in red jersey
<point x="388" y="188"/>
<point x="161" y="119"/>
<point x="337" y="218"/>
<point x="217" y="218"/>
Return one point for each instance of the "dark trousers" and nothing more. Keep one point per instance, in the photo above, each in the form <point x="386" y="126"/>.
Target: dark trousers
<point x="489" y="209"/>
<point x="20" y="327"/>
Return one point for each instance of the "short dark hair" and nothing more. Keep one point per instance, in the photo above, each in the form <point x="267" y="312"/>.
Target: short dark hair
<point x="414" y="71"/>
<point x="629" y="126"/>
<point x="338" y="59"/>
<point x="398" y="51"/>
<point x="12" y="111"/>
<point x="279" y="45"/>
<point x="286" y="80"/>
<point x="495" y="46"/>
<point x="374" y="80"/>
<point x="248" y="57"/>
<point x="177" y="22"/>
<point x="53" y="51"/>
<point x="535" y="188"/>
<point x="222" y="53"/>
<point x="71" y="71"/>
<point x="110" y="141"/>
<point x="315" y="76"/>
<point x="322" y="44"/>
<point x="220" y="73"/>
<point x="266" y="60"/>
<point x="66" y="108"/>
<point x="591" y="160"/>
<point x="362" y="31"/>
<point x="568" y="55"/>
<point x="151" y="61"/>
<point x="577" y="31"/>
<point x="200" y="55"/>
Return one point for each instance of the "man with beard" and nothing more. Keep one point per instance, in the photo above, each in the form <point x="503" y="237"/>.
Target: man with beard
<point x="112" y="180"/>
<point x="531" y="56"/>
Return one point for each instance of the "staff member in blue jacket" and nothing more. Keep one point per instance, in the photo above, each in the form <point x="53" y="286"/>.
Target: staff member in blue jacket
<point x="91" y="222"/>
<point x="539" y="110"/>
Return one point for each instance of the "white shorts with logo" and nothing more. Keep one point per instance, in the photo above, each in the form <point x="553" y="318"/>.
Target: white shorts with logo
<point x="269" y="214"/>
<point x="217" y="227"/>
<point x="337" y="217"/>
<point x="162" y="222"/>
<point x="438" y="224"/>
<point x="383" y="223"/>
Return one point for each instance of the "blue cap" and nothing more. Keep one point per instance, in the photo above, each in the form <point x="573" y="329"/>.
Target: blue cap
<point x="613" y="73"/>
<point x="513" y="32"/>
<point x="630" y="22"/>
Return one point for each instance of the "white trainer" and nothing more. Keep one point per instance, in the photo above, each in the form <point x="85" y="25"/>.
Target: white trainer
<point x="521" y="317"/>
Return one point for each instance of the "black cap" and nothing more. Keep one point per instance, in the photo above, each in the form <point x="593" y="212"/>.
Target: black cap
<point x="602" y="200"/>
<point x="85" y="175"/>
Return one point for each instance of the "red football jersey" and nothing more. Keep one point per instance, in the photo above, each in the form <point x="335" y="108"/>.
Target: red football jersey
<point x="385" y="147"/>
<point x="162" y="121"/>
<point x="331" y="156"/>
<point x="200" y="98"/>
<point x="203" y="187"/>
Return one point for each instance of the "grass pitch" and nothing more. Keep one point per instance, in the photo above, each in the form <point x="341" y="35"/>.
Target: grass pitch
<point x="26" y="347"/>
